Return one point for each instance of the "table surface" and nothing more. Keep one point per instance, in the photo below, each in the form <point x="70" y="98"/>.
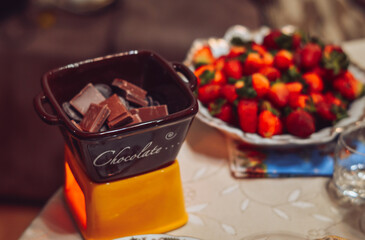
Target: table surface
<point x="223" y="207"/>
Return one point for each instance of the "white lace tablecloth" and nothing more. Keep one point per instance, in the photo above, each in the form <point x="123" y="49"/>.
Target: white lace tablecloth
<point x="222" y="207"/>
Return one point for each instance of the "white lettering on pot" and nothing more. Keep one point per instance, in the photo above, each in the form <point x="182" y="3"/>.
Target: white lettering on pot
<point x="120" y="157"/>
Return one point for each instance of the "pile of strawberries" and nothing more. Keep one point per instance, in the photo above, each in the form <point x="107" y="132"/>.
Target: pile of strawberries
<point x="290" y="83"/>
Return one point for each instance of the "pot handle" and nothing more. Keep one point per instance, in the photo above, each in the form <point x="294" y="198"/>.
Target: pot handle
<point x="38" y="103"/>
<point x="188" y="74"/>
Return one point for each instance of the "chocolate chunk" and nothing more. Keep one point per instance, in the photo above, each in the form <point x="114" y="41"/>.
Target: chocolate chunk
<point x="125" y="102"/>
<point x="89" y="94"/>
<point x="121" y="120"/>
<point x="150" y="113"/>
<point x="95" y="117"/>
<point x="132" y="92"/>
<point x="116" y="107"/>
<point x="135" y="119"/>
<point x="71" y="113"/>
<point x="104" y="89"/>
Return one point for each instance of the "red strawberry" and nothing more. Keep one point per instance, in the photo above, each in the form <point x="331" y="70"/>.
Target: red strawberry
<point x="309" y="56"/>
<point x="296" y="40"/>
<point x="260" y="49"/>
<point x="298" y="101"/>
<point x="247" y="114"/>
<point x="261" y="84"/>
<point x="271" y="73"/>
<point x="332" y="108"/>
<point x="314" y="81"/>
<point x="236" y="51"/>
<point x="283" y="60"/>
<point x="208" y="93"/>
<point x="252" y="63"/>
<point x="334" y="61"/>
<point x="324" y="111"/>
<point x="332" y="99"/>
<point x="233" y="69"/>
<point x="222" y="110"/>
<point x="267" y="60"/>
<point x="219" y="77"/>
<point x="348" y="86"/>
<point x="300" y="123"/>
<point x="278" y="94"/>
<point x="270" y="40"/>
<point x="204" y="74"/>
<point x="269" y="124"/>
<point x="294" y="87"/>
<point x="316" y="97"/>
<point x="219" y="63"/>
<point x="203" y="56"/>
<point x="228" y="92"/>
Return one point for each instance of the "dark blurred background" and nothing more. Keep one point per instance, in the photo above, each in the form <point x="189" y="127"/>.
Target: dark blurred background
<point x="39" y="35"/>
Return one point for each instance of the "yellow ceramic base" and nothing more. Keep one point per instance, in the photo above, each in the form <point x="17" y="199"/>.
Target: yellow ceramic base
<point x="148" y="203"/>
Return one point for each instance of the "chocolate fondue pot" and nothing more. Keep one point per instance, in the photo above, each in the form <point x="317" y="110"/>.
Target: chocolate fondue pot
<point x="126" y="151"/>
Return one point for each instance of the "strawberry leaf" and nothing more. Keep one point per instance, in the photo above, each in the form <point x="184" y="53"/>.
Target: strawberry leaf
<point x="339" y="111"/>
<point x="335" y="61"/>
<point x="216" y="106"/>
<point x="206" y="77"/>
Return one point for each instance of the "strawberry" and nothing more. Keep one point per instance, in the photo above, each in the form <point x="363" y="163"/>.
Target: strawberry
<point x="247" y="114"/>
<point x="348" y="86"/>
<point x="278" y="94"/>
<point x="279" y="40"/>
<point x="270" y="40"/>
<point x="233" y="69"/>
<point x="219" y="63"/>
<point x="309" y="56"/>
<point x="300" y="123"/>
<point x="334" y="60"/>
<point x="298" y="101"/>
<point x="296" y="40"/>
<point x="316" y="97"/>
<point x="267" y="60"/>
<point x="269" y="124"/>
<point x="324" y="111"/>
<point x="252" y="63"/>
<point x="283" y="60"/>
<point x="203" y="56"/>
<point x="271" y="73"/>
<point x="228" y="92"/>
<point x="314" y="81"/>
<point x="236" y="51"/>
<point x="219" y="77"/>
<point x="335" y="100"/>
<point x="205" y="74"/>
<point x="294" y="87"/>
<point x="208" y="93"/>
<point x="261" y="84"/>
<point x="222" y="110"/>
<point x="260" y="49"/>
<point x="332" y="109"/>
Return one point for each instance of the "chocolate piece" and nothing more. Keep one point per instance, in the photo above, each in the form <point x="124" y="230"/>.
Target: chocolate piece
<point x="125" y="102"/>
<point x="71" y="113"/>
<point x="121" y="120"/>
<point x="150" y="113"/>
<point x="89" y="94"/>
<point x="94" y="117"/>
<point x="135" y="119"/>
<point x="133" y="93"/>
<point x="116" y="107"/>
<point x="104" y="89"/>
